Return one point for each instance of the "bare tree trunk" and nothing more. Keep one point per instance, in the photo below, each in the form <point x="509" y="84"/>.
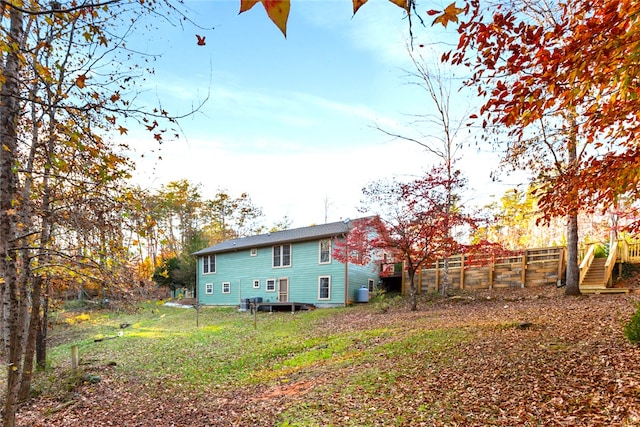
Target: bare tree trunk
<point x="573" y="271"/>
<point x="40" y="321"/>
<point x="9" y="113"/>
<point x="41" y="335"/>
<point x="445" y="278"/>
<point x="5" y="319"/>
<point x="413" y="294"/>
<point x="29" y="284"/>
<point x="30" y="347"/>
<point x="38" y="327"/>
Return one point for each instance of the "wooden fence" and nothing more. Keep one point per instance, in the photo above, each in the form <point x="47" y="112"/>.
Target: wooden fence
<point x="629" y="251"/>
<point x="534" y="267"/>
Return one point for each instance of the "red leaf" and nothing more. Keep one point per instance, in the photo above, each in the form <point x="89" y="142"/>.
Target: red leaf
<point x="200" y="40"/>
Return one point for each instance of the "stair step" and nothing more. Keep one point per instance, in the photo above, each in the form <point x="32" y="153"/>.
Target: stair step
<point x="601" y="290"/>
<point x="594" y="282"/>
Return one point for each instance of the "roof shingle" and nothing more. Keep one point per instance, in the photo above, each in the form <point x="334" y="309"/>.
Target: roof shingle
<point x="285" y="236"/>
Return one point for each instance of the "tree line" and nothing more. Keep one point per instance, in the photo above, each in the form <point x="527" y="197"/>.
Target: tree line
<point x="182" y="222"/>
<point x="558" y="82"/>
<point x="70" y="219"/>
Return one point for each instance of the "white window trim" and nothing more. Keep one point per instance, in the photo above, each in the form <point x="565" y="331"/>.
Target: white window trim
<point x="371" y="284"/>
<point x="208" y="288"/>
<point x="256" y="284"/>
<point x="273" y="249"/>
<point x="253" y="252"/>
<point x="320" y="251"/>
<point x="205" y="257"/>
<point x="275" y="285"/>
<point x="319" y="288"/>
<point x="226" y="287"/>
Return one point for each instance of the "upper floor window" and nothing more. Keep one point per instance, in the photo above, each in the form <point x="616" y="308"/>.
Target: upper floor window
<point x="325" y="251"/>
<point x="208" y="264"/>
<point x="256" y="284"/>
<point x="282" y="256"/>
<point x="253" y="251"/>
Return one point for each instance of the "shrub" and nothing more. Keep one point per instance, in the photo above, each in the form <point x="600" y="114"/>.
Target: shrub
<point x="382" y="301"/>
<point x="632" y="328"/>
<point x="601" y="250"/>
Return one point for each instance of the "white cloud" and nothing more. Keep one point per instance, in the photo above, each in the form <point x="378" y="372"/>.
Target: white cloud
<point x="292" y="182"/>
<point x="290" y="146"/>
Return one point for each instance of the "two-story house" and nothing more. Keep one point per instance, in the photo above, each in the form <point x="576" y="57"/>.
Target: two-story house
<point x="286" y="266"/>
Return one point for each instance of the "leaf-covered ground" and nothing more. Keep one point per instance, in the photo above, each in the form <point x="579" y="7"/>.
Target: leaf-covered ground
<point x="525" y="357"/>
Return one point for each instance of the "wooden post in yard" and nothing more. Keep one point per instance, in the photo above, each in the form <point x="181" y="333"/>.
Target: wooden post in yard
<point x="492" y="267"/>
<point x="74" y="359"/>
<point x="524" y="267"/>
<point x="197" y="306"/>
<point x="461" y="271"/>
<point x="255" y="316"/>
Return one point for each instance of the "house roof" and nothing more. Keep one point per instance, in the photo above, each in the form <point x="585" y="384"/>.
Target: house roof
<point x="285" y="236"/>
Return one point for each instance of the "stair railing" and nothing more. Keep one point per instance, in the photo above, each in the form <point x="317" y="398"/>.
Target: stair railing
<point x="586" y="262"/>
<point x="611" y="262"/>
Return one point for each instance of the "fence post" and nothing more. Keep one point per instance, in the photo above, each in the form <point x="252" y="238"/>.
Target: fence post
<point x="561" y="262"/>
<point x="524" y="267"/>
<point x="403" y="283"/>
<point x="461" y="271"/>
<point x="437" y="276"/>
<point x="492" y="267"/>
<point x="74" y="359"/>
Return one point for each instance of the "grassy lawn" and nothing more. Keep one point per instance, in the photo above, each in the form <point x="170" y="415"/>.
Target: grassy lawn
<point x="467" y="361"/>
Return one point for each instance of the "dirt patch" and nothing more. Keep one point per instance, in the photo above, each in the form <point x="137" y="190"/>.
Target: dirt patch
<point x="297" y="389"/>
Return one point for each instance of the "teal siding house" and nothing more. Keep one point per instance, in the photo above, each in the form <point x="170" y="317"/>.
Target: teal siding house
<point x="294" y="265"/>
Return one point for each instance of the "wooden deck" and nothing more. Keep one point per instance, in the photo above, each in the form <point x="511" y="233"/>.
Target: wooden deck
<point x="279" y="306"/>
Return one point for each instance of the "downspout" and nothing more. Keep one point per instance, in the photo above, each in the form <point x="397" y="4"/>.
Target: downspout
<point x="346" y="269"/>
<point x="346" y="281"/>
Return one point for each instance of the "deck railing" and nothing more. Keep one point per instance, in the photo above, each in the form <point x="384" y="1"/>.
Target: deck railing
<point x="629" y="251"/>
<point x="532" y="267"/>
<point x="585" y="264"/>
<point x="390" y="269"/>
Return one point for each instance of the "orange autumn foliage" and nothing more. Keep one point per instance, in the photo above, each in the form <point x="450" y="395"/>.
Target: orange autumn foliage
<point x="278" y="10"/>
<point x="580" y="68"/>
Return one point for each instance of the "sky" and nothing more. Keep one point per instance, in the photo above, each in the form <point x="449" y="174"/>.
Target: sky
<point x="293" y="121"/>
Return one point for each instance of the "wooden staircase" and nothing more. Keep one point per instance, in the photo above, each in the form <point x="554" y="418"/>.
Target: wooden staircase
<point x="595" y="280"/>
